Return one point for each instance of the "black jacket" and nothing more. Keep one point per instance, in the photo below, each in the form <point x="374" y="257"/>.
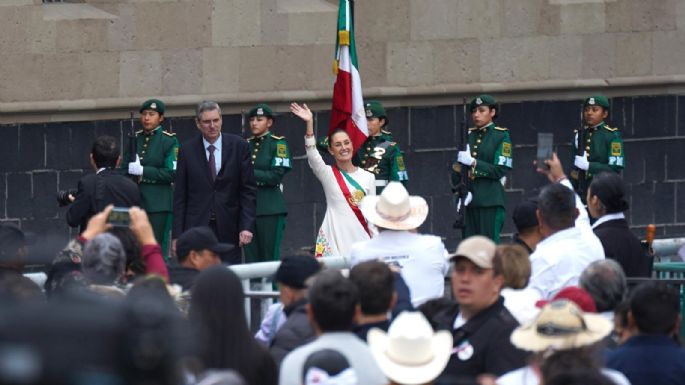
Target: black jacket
<point x="183" y="276"/>
<point x="295" y="332"/>
<point x="96" y="191"/>
<point x="481" y="345"/>
<point x="231" y="197"/>
<point x="621" y="245"/>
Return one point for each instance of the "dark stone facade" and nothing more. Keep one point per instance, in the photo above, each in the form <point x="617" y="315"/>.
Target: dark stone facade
<point x="40" y="159"/>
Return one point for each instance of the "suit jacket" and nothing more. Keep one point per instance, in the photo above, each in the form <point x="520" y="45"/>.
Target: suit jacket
<point x="96" y="191"/>
<point x="621" y="245"/>
<point x="231" y="197"/>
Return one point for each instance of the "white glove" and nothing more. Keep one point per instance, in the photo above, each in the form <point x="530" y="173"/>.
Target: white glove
<point x="135" y="168"/>
<point x="581" y="162"/>
<point x="467" y="200"/>
<point x="464" y="157"/>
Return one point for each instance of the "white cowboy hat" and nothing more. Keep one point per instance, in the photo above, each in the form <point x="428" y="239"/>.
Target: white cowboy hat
<point x="410" y="353"/>
<point x="394" y="209"/>
<point x="561" y="325"/>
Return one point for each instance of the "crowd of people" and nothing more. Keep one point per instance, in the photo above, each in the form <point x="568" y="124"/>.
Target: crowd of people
<point x="144" y="295"/>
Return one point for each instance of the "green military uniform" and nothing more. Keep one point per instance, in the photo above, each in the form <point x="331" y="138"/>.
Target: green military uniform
<point x="271" y="161"/>
<point x="157" y="151"/>
<point x="380" y="154"/>
<point x="603" y="146"/>
<point x="492" y="148"/>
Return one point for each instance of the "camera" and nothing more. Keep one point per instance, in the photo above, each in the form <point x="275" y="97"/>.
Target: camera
<point x="63" y="197"/>
<point x="119" y="217"/>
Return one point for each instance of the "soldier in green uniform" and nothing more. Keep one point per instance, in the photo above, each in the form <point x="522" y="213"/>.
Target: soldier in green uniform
<point x="487" y="159"/>
<point x="154" y="169"/>
<point x="603" y="145"/>
<point x="271" y="161"/>
<point x="379" y="154"/>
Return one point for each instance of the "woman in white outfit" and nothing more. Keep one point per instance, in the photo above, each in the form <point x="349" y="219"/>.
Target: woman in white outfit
<point x="344" y="185"/>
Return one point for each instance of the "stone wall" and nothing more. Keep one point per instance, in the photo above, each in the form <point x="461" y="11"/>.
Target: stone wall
<point x="98" y="58"/>
<point x="40" y="159"/>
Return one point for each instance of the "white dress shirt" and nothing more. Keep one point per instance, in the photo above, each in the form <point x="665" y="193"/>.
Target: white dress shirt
<point x="421" y="258"/>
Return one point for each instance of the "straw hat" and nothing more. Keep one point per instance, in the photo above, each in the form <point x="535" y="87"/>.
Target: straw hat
<point x="394" y="209"/>
<point x="561" y="325"/>
<point x="410" y="353"/>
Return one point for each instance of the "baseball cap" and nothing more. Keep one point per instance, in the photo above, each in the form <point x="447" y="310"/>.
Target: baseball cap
<point x="294" y="270"/>
<point x="478" y="249"/>
<point x="575" y="294"/>
<point x="200" y="238"/>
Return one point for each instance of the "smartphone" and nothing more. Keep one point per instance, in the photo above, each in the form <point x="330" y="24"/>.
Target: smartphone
<point x="119" y="217"/>
<point x="545" y="144"/>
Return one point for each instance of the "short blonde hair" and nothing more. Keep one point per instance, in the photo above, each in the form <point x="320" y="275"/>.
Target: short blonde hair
<point x="512" y="262"/>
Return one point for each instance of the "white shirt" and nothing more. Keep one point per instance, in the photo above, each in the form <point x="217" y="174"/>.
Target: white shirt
<point x="559" y="259"/>
<point x="521" y="303"/>
<point x="607" y="218"/>
<point x="422" y="259"/>
<point x="217" y="152"/>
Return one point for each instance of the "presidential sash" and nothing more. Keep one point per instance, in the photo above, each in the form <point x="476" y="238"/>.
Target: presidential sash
<point x="352" y="199"/>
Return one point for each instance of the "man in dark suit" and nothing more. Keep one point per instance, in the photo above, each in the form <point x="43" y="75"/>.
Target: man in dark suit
<point x="107" y="186"/>
<point x="606" y="203"/>
<point x="215" y="184"/>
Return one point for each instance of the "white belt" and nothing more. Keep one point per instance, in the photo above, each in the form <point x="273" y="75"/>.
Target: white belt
<point x="381" y="182"/>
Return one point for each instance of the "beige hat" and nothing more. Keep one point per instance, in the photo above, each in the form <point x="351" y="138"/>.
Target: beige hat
<point x="410" y="353"/>
<point x="394" y="209"/>
<point x="561" y="325"/>
<point x="478" y="249"/>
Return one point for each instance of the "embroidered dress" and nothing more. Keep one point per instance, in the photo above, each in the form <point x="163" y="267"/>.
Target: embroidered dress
<point x="340" y="227"/>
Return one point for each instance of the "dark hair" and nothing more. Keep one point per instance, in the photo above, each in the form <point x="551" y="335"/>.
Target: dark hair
<point x="567" y="360"/>
<point x="608" y="187"/>
<point x="151" y="290"/>
<point x="655" y="308"/>
<point x="132" y="247"/>
<point x="580" y="377"/>
<point x="606" y="283"/>
<point x="105" y="151"/>
<point x="332" y="134"/>
<point x="20" y="289"/>
<point x="557" y="205"/>
<point x="217" y="314"/>
<point x="375" y="283"/>
<point x="333" y="300"/>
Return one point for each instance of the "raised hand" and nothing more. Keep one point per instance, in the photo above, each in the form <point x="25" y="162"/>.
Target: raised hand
<point x="303" y="112"/>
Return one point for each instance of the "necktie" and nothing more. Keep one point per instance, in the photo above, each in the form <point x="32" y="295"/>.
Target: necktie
<point x="212" y="162"/>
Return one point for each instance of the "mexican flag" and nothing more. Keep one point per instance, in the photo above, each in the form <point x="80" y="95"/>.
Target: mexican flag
<point x="347" y="111"/>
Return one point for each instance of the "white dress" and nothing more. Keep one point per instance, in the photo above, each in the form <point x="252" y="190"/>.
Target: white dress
<point x="340" y="227"/>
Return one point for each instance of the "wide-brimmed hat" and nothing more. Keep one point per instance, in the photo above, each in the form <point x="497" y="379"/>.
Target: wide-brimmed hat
<point x="561" y="325"/>
<point x="395" y="209"/>
<point x="410" y="352"/>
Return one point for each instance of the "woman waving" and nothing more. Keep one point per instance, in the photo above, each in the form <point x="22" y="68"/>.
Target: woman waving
<point x="344" y="185"/>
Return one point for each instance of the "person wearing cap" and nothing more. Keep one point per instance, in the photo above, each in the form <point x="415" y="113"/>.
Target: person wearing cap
<point x="196" y="249"/>
<point x="106" y="186"/>
<point x="560" y="338"/>
<point x="479" y="322"/>
<point x="606" y="203"/>
<point x="421" y="259"/>
<point x="487" y="159"/>
<point x="527" y="229"/>
<point x="271" y="161"/>
<point x="293" y="277"/>
<point x="154" y="169"/>
<point x="604" y="150"/>
<point x="215" y="183"/>
<point x="410" y="353"/>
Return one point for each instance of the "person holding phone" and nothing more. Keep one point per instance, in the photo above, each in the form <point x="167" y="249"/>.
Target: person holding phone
<point x="486" y="160"/>
<point x="603" y="145"/>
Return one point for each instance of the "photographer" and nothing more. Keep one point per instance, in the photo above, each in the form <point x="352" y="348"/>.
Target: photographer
<point x="106" y="186"/>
